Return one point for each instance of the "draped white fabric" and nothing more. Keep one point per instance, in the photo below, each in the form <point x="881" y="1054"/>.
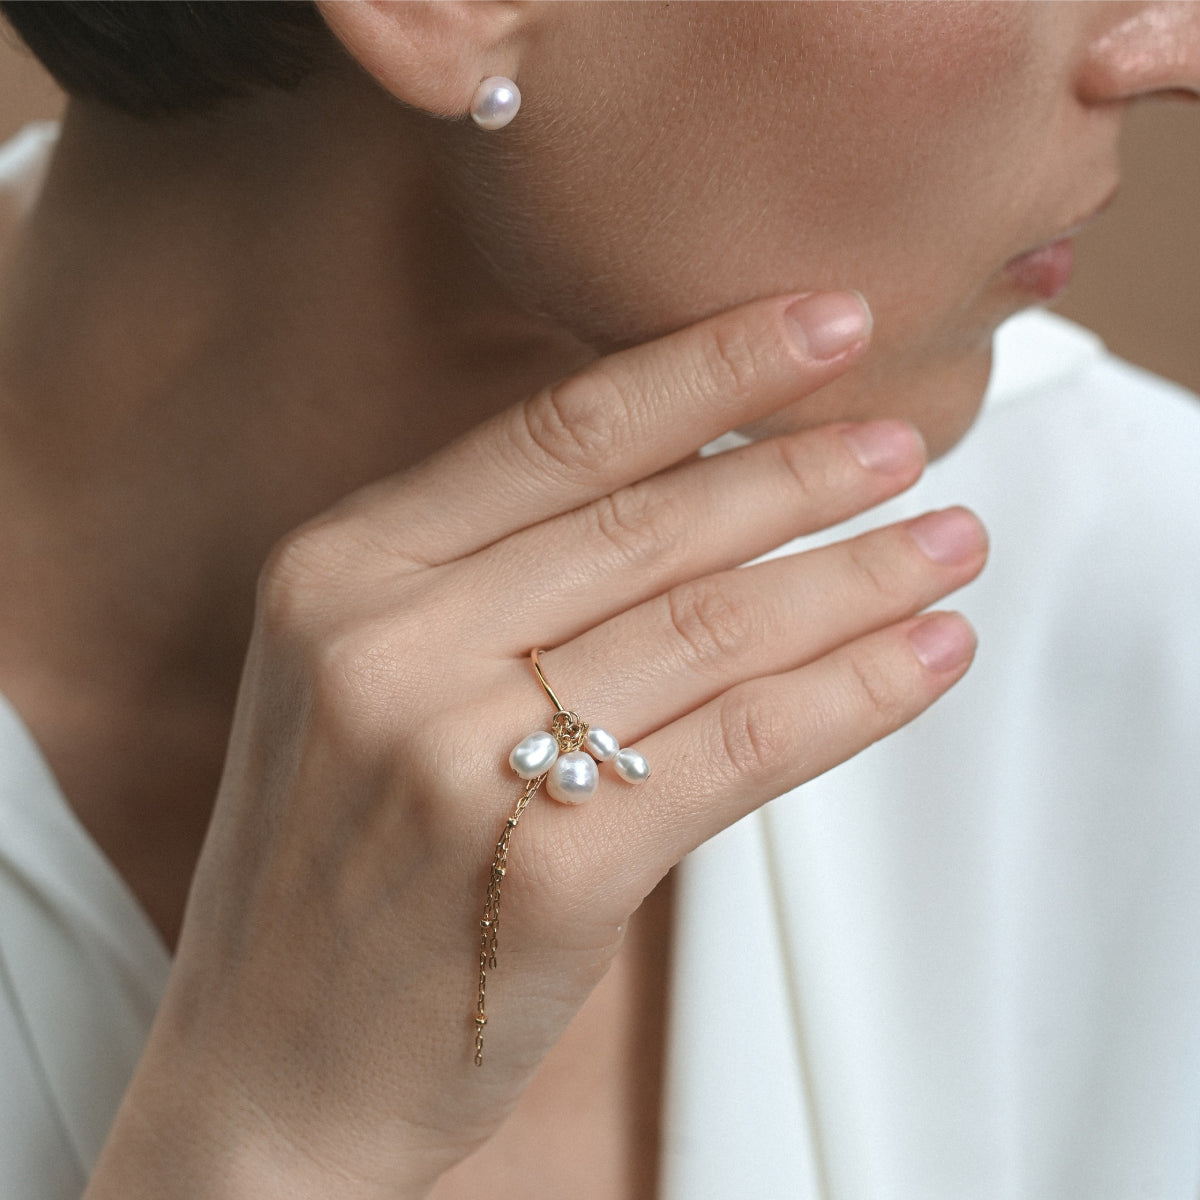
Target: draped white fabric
<point x="81" y="973"/>
<point x="967" y="963"/>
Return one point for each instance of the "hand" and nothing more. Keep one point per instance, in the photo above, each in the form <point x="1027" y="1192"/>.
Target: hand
<point x="316" y="1036"/>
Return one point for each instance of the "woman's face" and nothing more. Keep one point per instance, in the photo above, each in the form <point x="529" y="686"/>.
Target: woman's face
<point x="671" y="160"/>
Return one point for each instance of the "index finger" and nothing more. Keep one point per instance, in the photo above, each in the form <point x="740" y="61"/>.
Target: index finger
<point x="620" y="419"/>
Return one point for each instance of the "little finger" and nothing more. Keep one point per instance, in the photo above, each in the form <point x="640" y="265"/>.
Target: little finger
<point x="763" y="738"/>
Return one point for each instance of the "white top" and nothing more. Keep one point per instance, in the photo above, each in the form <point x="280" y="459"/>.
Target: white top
<point x="964" y="966"/>
<point x="81" y="973"/>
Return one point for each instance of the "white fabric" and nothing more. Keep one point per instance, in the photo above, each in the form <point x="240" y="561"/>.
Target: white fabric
<point x="81" y="973"/>
<point x="24" y="160"/>
<point x="987" y="927"/>
<point x="964" y="966"/>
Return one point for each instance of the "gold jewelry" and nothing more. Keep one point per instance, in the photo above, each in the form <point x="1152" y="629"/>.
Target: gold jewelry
<point x="565" y="760"/>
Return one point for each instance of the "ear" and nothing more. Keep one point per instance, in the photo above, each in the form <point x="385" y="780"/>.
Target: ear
<point x="432" y="54"/>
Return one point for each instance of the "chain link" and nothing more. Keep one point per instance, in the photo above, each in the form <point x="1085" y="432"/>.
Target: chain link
<point x="569" y="731"/>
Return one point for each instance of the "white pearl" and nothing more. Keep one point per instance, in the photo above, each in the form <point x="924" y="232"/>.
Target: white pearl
<point x="535" y="755"/>
<point x="632" y="766"/>
<point x="573" y="778"/>
<point x="496" y="102"/>
<point x="600" y="744"/>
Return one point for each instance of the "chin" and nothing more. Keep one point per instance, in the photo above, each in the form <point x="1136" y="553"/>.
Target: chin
<point x="940" y="395"/>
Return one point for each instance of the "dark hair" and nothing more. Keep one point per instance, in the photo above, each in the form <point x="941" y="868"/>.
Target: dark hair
<point x="174" y="56"/>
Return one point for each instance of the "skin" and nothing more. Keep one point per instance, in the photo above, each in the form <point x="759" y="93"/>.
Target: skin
<point x="385" y="290"/>
<point x="852" y="151"/>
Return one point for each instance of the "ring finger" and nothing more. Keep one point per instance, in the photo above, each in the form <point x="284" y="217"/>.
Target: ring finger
<point x="654" y="663"/>
<point x="752" y="743"/>
<point x="702" y="516"/>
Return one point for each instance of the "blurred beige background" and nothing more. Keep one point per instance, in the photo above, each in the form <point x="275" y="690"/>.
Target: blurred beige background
<point x="1137" y="280"/>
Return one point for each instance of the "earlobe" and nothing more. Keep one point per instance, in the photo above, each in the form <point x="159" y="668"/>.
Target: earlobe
<point x="431" y="54"/>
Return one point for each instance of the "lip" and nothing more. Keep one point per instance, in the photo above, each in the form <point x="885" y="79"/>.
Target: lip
<point x="1046" y="269"/>
<point x="1044" y="272"/>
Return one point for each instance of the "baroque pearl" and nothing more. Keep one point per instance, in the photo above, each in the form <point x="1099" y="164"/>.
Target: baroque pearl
<point x="573" y="778"/>
<point x="496" y="102"/>
<point x="600" y="744"/>
<point x="535" y="755"/>
<point x="632" y="766"/>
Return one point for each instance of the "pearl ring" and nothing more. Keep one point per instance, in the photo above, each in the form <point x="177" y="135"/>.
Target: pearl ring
<point x="568" y="754"/>
<point x="564" y="759"/>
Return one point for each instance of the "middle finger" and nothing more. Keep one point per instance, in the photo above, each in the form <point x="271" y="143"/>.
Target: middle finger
<point x="700" y="517"/>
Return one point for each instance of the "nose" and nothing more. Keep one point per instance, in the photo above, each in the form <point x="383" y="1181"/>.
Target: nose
<point x="1142" y="49"/>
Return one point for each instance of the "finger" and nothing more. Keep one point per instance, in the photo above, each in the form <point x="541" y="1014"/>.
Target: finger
<point x="693" y="520"/>
<point x="757" y="741"/>
<point x="655" y="663"/>
<point x="624" y="417"/>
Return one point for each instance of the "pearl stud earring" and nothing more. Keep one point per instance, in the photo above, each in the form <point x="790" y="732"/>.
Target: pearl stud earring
<point x="496" y="102"/>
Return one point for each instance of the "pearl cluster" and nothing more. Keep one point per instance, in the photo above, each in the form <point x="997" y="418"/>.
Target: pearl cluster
<point x="571" y="777"/>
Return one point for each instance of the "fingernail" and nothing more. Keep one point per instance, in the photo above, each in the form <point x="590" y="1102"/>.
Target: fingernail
<point x="949" y="537"/>
<point x="827" y="323"/>
<point x="884" y="445"/>
<point x="943" y="641"/>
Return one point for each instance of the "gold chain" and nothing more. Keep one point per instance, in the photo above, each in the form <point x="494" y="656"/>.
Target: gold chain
<point x="569" y="731"/>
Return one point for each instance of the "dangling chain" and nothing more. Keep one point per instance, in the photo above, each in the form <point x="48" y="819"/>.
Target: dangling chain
<point x="569" y="732"/>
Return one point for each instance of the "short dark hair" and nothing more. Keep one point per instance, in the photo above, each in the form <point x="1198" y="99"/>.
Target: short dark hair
<point x="173" y="56"/>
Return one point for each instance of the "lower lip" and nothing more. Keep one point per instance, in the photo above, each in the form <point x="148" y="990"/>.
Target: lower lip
<point x="1046" y="271"/>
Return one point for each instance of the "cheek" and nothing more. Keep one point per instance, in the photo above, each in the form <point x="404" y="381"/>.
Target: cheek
<point x="697" y="156"/>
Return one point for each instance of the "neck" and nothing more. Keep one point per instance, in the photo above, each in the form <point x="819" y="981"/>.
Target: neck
<point x="211" y="330"/>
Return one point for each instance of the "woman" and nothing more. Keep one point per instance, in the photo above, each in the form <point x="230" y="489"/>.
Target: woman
<point x="310" y="318"/>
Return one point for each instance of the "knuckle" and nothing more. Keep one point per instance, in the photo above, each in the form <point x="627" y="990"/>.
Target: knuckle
<point x="294" y="580"/>
<point x="574" y="425"/>
<point x="636" y="524"/>
<point x="754" y="738"/>
<point x="872" y="571"/>
<point x="321" y="568"/>
<point x="810" y="478"/>
<point x="710" y="620"/>
<point x="731" y="362"/>
<point x="876" y="691"/>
